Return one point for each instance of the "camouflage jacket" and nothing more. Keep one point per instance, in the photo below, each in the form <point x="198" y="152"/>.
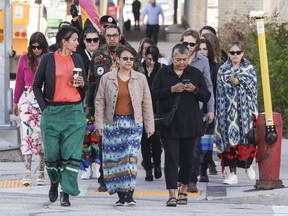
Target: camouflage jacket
<point x="102" y="62"/>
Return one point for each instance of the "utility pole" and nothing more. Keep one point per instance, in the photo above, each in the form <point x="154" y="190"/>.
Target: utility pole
<point x="9" y="131"/>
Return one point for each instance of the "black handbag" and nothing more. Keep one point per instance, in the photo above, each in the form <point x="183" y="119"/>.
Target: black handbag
<point x="165" y="119"/>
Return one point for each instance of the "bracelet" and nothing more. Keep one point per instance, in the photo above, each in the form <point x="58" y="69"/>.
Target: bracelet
<point x="195" y="90"/>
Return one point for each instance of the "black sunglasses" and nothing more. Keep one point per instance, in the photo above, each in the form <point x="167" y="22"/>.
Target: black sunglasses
<point x="126" y="58"/>
<point x="190" y="44"/>
<point x="36" y="47"/>
<point x="235" y="52"/>
<point x="89" y="40"/>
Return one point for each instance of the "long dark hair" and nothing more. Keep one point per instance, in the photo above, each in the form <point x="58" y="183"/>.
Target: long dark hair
<point x="65" y="32"/>
<point x="144" y="40"/>
<point x="36" y="37"/>
<point x="211" y="55"/>
<point x="154" y="51"/>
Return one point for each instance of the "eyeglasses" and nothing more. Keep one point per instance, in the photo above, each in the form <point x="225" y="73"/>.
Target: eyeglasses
<point x="89" y="40"/>
<point x="126" y="58"/>
<point x="112" y="36"/>
<point x="235" y="52"/>
<point x="36" y="47"/>
<point x="190" y="44"/>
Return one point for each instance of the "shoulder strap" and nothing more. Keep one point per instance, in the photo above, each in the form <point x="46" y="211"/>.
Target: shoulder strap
<point x="177" y="100"/>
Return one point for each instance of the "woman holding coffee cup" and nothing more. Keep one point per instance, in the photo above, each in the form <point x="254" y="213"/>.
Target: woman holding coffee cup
<point x="63" y="121"/>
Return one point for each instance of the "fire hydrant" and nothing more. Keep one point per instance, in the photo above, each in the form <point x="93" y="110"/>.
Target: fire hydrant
<point x="268" y="154"/>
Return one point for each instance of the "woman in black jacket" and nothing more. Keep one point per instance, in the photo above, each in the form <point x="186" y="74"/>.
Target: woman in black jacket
<point x="63" y="120"/>
<point x="151" y="146"/>
<point x="182" y="82"/>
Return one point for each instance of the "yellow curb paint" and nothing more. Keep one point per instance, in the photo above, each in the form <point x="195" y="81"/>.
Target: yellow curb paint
<point x="147" y="193"/>
<point x="11" y="184"/>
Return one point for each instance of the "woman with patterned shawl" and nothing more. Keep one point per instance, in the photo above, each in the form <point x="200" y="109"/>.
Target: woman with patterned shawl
<point x="236" y="110"/>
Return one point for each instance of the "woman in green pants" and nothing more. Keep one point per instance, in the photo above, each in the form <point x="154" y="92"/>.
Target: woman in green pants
<point x="63" y="121"/>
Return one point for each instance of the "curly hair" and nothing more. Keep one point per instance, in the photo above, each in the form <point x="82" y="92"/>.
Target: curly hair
<point x="36" y="37"/>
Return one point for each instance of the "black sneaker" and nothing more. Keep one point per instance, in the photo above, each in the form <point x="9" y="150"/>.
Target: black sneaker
<point x="53" y="192"/>
<point x="149" y="176"/>
<point x="64" y="199"/>
<point x="121" y="200"/>
<point x="212" y="169"/>
<point x="157" y="172"/>
<point x="102" y="187"/>
<point x="129" y="199"/>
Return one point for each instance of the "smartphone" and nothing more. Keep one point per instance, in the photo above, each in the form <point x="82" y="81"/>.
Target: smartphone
<point x="186" y="81"/>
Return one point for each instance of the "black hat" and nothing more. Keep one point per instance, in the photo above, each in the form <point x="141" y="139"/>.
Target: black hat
<point x="107" y="20"/>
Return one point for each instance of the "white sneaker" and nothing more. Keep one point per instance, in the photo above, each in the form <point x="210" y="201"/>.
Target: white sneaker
<point x="87" y="174"/>
<point x="97" y="171"/>
<point x="231" y="180"/>
<point x="250" y="173"/>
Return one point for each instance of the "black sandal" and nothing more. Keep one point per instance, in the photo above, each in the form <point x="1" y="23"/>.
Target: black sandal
<point x="182" y="201"/>
<point x="172" y="202"/>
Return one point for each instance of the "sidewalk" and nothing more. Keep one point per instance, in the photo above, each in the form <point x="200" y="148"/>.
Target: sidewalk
<point x="150" y="196"/>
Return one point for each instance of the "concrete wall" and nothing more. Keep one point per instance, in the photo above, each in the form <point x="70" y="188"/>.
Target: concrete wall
<point x="194" y="15"/>
<point x="279" y="6"/>
<point x="236" y="8"/>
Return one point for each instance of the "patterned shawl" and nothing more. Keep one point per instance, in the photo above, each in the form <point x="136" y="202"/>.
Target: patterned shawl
<point x="235" y="105"/>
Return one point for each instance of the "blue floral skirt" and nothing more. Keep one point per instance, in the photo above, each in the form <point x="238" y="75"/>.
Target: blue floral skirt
<point x="120" y="144"/>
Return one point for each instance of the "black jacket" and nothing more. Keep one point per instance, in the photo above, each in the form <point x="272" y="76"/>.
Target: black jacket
<point x="187" y="121"/>
<point x="46" y="75"/>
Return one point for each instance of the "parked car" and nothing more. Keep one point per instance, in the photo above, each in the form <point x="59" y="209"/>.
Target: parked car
<point x="111" y="8"/>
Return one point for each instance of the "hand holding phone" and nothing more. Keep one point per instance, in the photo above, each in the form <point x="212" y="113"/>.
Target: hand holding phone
<point x="186" y="81"/>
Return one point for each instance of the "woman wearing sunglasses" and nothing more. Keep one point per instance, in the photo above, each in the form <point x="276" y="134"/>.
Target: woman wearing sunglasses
<point x="89" y="42"/>
<point x="122" y="104"/>
<point x="236" y="110"/>
<point x="28" y="109"/>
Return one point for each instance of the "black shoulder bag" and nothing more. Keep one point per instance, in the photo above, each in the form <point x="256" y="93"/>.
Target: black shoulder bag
<point x="165" y="119"/>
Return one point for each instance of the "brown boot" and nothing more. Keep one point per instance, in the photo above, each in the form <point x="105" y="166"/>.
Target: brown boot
<point x="27" y="179"/>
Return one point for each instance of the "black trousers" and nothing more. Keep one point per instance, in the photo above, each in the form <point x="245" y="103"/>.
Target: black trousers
<point x="152" y="32"/>
<point x="178" y="153"/>
<point x="101" y="177"/>
<point x="151" y="147"/>
<point x="196" y="160"/>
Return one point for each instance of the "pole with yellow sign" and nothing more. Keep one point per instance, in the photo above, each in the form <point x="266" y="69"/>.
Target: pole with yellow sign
<point x="268" y="124"/>
<point x="271" y="134"/>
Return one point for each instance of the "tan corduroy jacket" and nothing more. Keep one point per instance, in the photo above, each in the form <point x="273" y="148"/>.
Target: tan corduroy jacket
<point x="107" y="94"/>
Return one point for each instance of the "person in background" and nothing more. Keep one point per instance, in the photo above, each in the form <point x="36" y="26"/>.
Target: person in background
<point x="54" y="47"/>
<point x="122" y="104"/>
<point x="105" y="21"/>
<point x="151" y="146"/>
<point x="206" y="49"/>
<point x="211" y="30"/>
<point x="215" y="46"/>
<point x="237" y="89"/>
<point x="184" y="83"/>
<point x="104" y="61"/>
<point x="63" y="120"/>
<point x="153" y="10"/>
<point x="190" y="38"/>
<point x="136" y="5"/>
<point x="28" y="109"/>
<point x="144" y="43"/>
<point x="89" y="42"/>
